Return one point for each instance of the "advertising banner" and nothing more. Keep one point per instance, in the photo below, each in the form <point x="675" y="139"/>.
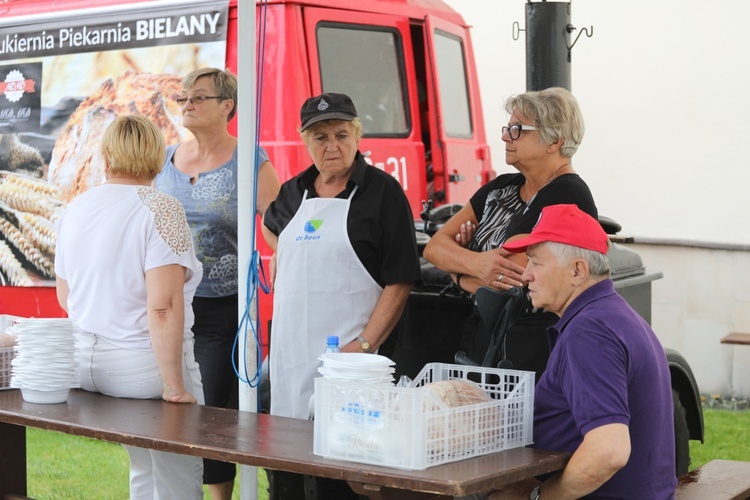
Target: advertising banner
<point x="64" y="77"/>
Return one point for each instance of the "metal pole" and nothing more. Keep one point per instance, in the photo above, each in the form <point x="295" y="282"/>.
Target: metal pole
<point x="246" y="215"/>
<point x="547" y="54"/>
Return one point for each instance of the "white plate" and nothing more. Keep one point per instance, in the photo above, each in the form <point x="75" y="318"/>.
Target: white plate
<point x="45" y="397"/>
<point x="353" y="374"/>
<point x="44" y="375"/>
<point x="355" y="360"/>
<point x="46" y="333"/>
<point x="57" y="374"/>
<point x="44" y="321"/>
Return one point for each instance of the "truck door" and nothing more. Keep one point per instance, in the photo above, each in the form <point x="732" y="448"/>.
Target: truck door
<point x="460" y="157"/>
<point x="369" y="57"/>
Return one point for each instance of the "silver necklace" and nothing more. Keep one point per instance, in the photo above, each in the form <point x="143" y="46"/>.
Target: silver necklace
<point x="554" y="174"/>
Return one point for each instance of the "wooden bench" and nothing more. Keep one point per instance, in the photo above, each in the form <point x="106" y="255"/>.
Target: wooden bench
<point x="248" y="439"/>
<point x="736" y="339"/>
<point x="716" y="480"/>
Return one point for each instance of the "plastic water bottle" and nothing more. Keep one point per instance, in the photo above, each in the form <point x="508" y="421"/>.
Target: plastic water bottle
<point x="333" y="344"/>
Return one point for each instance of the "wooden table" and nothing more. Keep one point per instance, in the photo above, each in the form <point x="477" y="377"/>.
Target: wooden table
<point x="245" y="438"/>
<point x="736" y="339"/>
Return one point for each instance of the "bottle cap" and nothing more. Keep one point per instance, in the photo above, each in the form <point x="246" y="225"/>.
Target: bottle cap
<point x="333" y="339"/>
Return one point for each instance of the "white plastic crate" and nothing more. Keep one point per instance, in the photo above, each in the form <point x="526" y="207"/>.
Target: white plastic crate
<point x="6" y="353"/>
<point x="410" y="428"/>
<point x="6" y="357"/>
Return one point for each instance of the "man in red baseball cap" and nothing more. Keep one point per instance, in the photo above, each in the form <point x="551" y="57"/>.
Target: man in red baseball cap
<point x="606" y="395"/>
<point x="575" y="232"/>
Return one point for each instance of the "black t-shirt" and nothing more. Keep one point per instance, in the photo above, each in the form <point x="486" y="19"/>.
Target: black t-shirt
<point x="380" y="224"/>
<point x="502" y="213"/>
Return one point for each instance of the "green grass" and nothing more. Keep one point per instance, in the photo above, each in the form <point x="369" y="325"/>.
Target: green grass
<point x="63" y="467"/>
<point x="726" y="437"/>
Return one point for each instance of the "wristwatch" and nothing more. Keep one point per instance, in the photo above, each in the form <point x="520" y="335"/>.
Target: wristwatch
<point x="535" y="494"/>
<point x="363" y="343"/>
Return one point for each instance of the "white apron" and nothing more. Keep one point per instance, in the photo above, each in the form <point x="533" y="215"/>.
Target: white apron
<point x="321" y="289"/>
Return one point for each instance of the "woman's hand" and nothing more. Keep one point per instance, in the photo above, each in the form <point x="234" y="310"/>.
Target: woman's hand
<point x="353" y="346"/>
<point x="496" y="270"/>
<point x="465" y="233"/>
<point x="178" y="396"/>
<point x="384" y="317"/>
<point x="166" y="321"/>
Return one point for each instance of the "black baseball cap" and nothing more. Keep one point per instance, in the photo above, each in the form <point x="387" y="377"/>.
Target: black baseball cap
<point x="327" y="106"/>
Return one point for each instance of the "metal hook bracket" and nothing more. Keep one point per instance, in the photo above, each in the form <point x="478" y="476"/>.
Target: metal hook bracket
<point x="517" y="30"/>
<point x="570" y="29"/>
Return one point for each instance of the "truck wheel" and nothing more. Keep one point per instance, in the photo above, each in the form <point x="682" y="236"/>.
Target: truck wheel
<point x="681" y="436"/>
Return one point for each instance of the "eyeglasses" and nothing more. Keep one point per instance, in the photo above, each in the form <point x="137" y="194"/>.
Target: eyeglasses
<point x="198" y="99"/>
<point x="514" y="131"/>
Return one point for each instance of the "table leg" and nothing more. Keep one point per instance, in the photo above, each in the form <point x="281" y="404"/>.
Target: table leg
<point x="12" y="459"/>
<point x="378" y="492"/>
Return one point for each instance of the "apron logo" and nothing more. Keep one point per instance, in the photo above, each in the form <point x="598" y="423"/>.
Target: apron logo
<point x="313" y="225"/>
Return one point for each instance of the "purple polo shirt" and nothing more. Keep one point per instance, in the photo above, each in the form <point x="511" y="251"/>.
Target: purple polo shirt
<point x="607" y="366"/>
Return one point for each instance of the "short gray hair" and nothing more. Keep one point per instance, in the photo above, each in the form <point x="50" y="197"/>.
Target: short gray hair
<point x="556" y="116"/>
<point x="224" y="82"/>
<point x="598" y="263"/>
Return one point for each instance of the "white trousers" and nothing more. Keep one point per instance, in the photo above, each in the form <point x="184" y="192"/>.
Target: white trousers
<point x="123" y="373"/>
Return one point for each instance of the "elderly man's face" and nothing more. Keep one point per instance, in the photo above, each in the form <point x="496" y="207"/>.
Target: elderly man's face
<point x="333" y="146"/>
<point x="550" y="282"/>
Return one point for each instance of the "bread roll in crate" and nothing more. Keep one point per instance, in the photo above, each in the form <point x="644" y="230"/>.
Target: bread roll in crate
<point x="448" y="413"/>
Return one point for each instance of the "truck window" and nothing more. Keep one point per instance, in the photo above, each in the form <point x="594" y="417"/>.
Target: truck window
<point x="366" y="63"/>
<point x="454" y="94"/>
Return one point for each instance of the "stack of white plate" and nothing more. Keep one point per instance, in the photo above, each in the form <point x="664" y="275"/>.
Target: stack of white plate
<point x="44" y="365"/>
<point x="357" y="367"/>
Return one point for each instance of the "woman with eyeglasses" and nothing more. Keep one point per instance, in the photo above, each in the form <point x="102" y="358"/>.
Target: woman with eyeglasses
<point x="202" y="174"/>
<point x="543" y="132"/>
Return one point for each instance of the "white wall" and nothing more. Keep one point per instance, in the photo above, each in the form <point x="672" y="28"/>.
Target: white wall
<point x="691" y="314"/>
<point x="665" y="92"/>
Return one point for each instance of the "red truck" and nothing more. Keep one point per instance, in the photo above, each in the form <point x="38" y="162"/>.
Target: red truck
<point x="407" y="64"/>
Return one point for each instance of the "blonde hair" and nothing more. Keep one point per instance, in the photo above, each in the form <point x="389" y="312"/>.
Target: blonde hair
<point x="356" y="128"/>
<point x="556" y="116"/>
<point x="224" y="82"/>
<point x="132" y="145"/>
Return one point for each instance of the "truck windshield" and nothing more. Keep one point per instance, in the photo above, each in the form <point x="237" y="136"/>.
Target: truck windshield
<point x="366" y="63"/>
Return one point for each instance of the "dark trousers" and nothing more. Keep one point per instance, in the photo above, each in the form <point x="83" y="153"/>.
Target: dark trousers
<point x="291" y="486"/>
<point x="214" y="330"/>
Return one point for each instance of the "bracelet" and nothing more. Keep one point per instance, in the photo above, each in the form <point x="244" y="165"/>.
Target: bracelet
<point x="458" y="280"/>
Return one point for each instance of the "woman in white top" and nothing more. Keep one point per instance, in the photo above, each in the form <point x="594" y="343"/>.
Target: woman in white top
<point x="126" y="273"/>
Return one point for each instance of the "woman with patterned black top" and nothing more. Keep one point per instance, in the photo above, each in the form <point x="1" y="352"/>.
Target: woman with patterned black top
<point x="544" y="132"/>
<point x="126" y="274"/>
<point x="202" y="174"/>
